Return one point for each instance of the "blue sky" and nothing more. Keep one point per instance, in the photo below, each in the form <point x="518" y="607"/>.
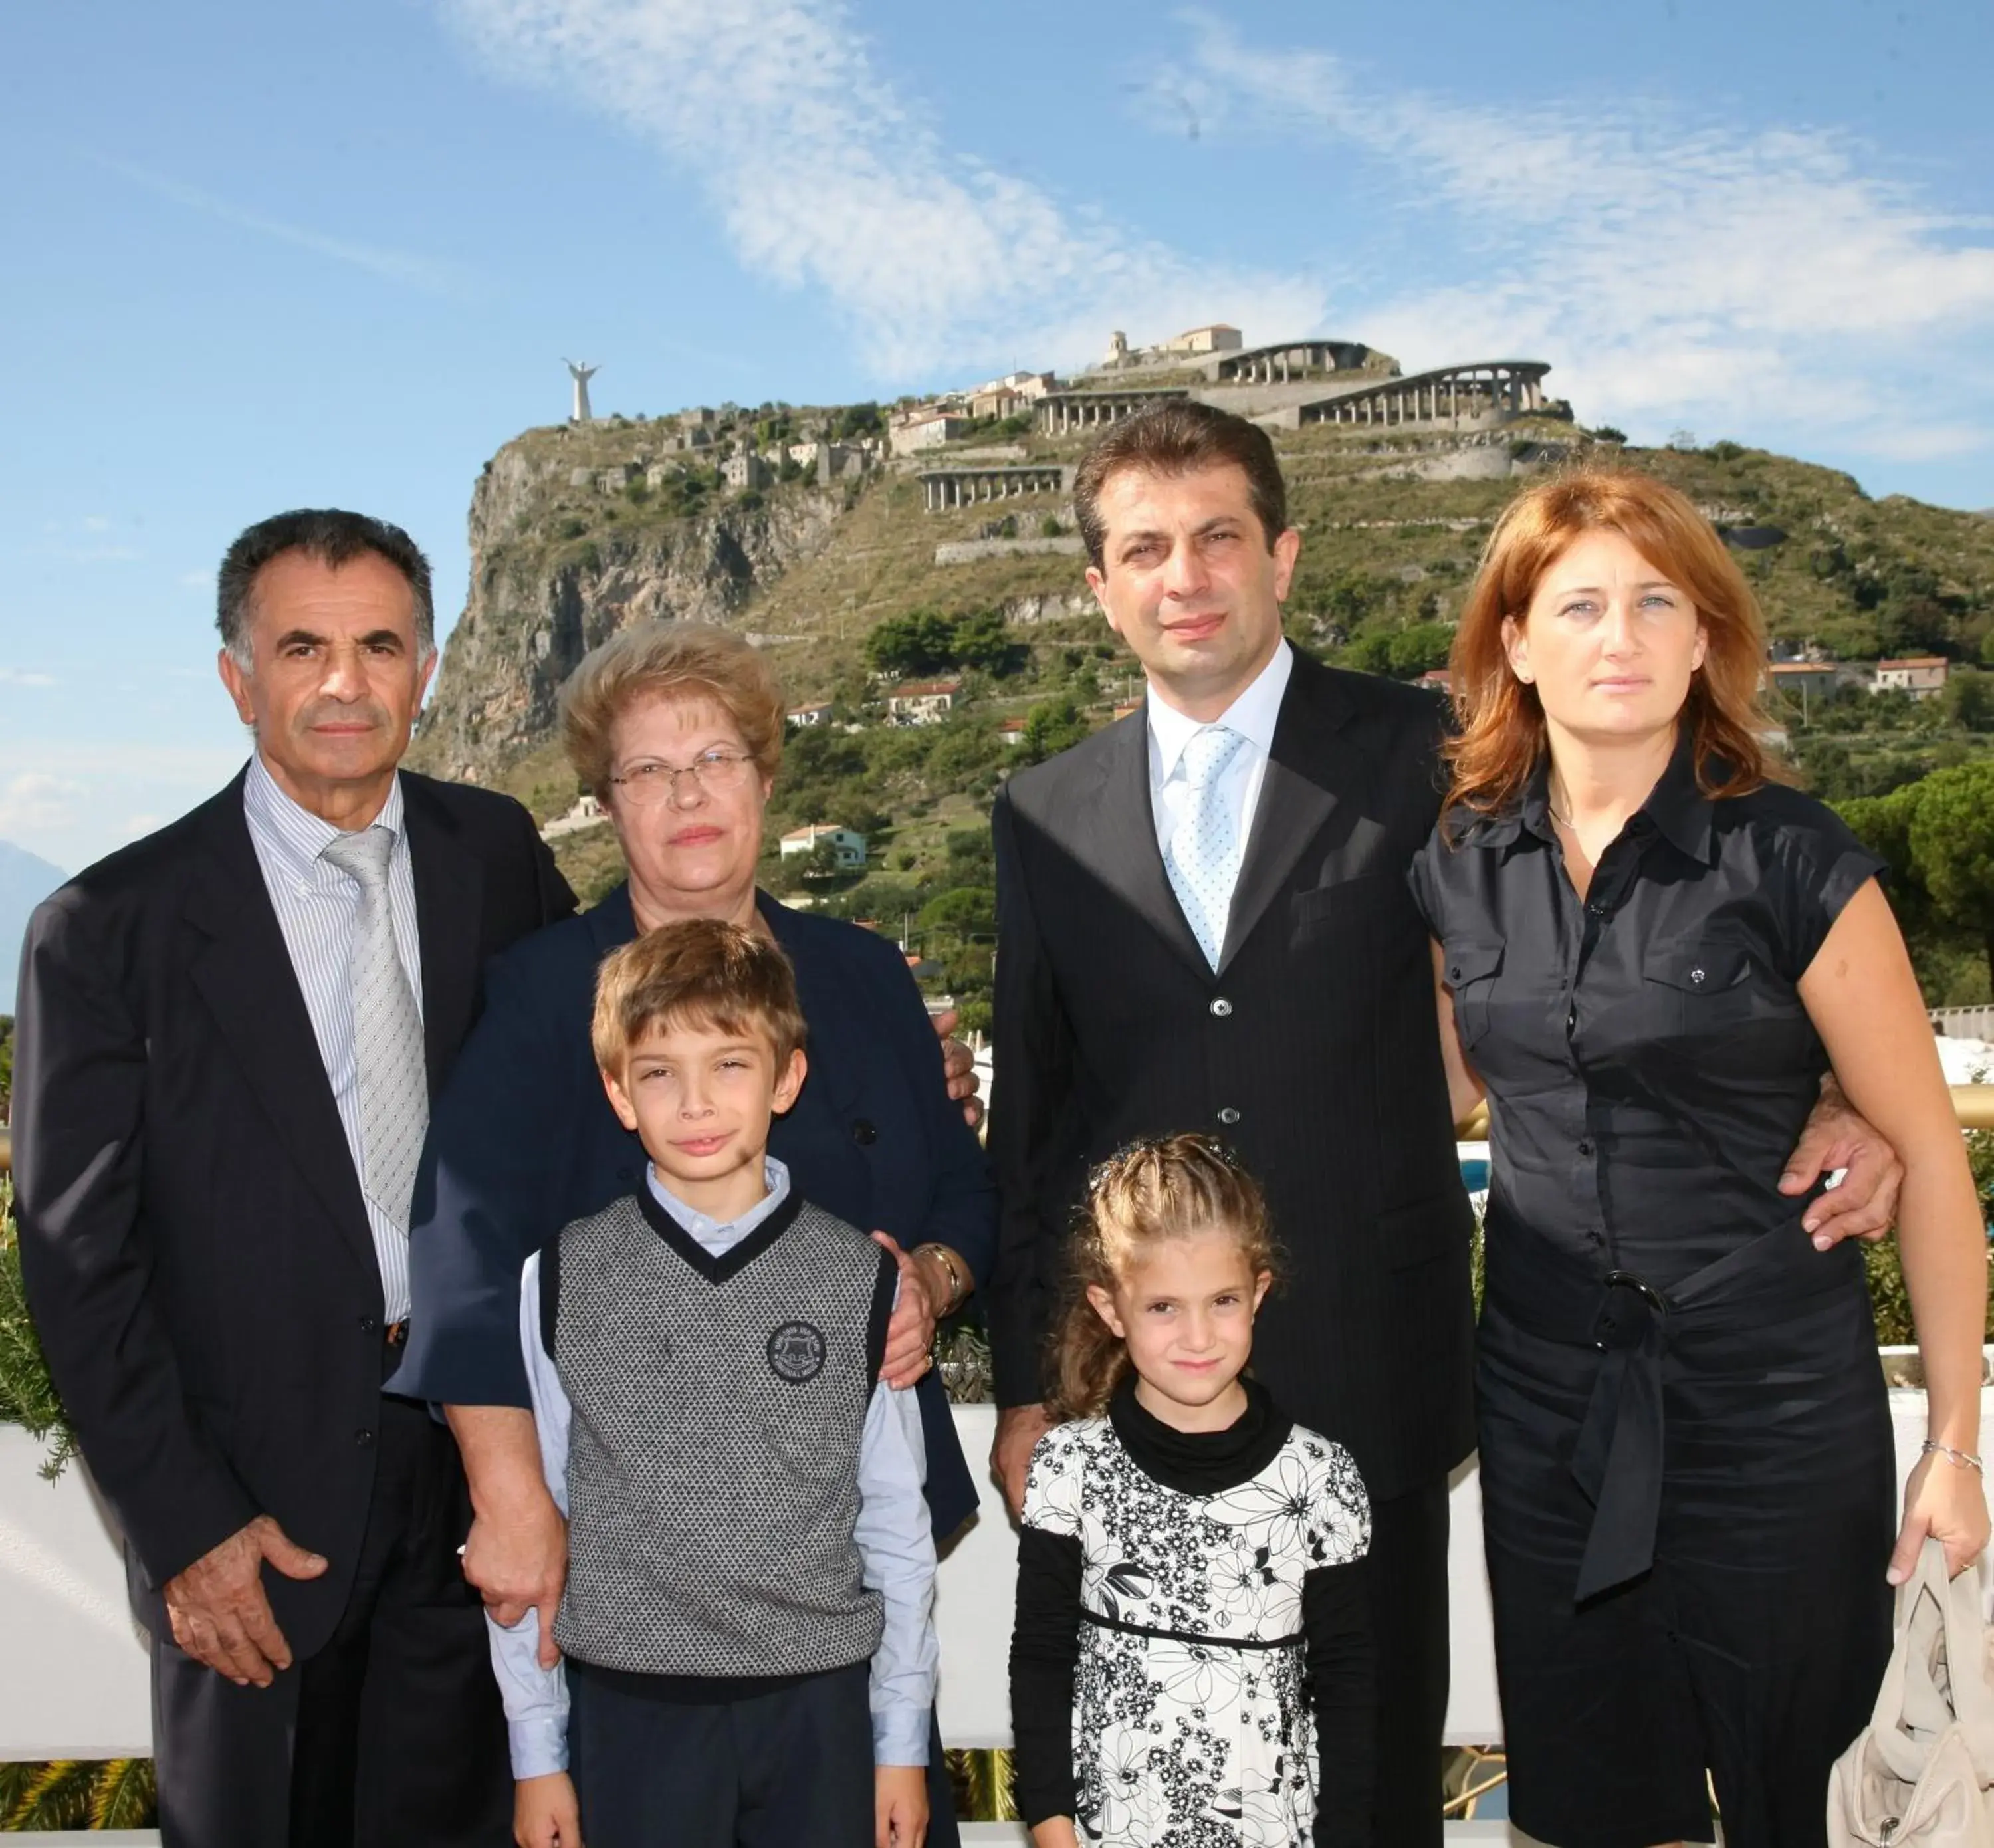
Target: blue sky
<point x="258" y="256"/>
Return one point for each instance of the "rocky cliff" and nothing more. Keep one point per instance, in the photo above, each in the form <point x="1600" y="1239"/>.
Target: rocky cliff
<point x="575" y="534"/>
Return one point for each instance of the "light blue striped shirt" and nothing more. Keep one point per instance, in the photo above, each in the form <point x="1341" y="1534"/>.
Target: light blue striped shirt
<point x="317" y="908"/>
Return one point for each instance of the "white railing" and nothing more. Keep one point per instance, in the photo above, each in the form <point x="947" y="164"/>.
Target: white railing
<point x="76" y="1684"/>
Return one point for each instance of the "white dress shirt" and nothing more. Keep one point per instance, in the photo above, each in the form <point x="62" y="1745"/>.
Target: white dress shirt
<point x="894" y="1540"/>
<point x="317" y="908"/>
<point x="1253" y="715"/>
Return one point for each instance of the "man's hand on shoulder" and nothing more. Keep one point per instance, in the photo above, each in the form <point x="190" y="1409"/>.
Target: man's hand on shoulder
<point x="219" y="1612"/>
<point x="1019" y="1429"/>
<point x="959" y="1064"/>
<point x="1864" y="1205"/>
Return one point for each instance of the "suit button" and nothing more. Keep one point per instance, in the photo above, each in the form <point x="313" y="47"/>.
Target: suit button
<point x="1221" y="1007"/>
<point x="1585" y="1148"/>
<point x="864" y="1134"/>
<point x="1228" y="1116"/>
<point x="368" y="1325"/>
<point x="363" y="1437"/>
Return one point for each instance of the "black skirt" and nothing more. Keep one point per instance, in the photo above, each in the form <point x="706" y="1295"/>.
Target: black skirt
<point x="1715" y="1460"/>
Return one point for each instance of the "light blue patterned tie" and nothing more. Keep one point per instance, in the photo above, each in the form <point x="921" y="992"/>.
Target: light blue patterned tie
<point x="387" y="1030"/>
<point x="1204" y="853"/>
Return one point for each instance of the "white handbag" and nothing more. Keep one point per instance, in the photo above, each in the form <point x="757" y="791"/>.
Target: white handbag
<point x="1921" y="1773"/>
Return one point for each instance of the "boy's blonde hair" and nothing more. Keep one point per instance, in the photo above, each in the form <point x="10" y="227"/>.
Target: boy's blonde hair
<point x="700" y="973"/>
<point x="1170" y="1187"/>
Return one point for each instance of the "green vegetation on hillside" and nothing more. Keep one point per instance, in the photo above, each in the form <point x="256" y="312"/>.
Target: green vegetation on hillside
<point x="1393" y="525"/>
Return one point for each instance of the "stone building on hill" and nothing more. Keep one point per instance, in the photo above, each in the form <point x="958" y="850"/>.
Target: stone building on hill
<point x="1923" y="676"/>
<point x="923" y="702"/>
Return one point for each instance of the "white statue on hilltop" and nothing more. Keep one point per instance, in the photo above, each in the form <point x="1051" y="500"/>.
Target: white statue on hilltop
<point x="582" y="375"/>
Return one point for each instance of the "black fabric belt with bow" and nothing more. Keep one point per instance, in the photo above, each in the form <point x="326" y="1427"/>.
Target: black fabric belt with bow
<point x="1617" y="1460"/>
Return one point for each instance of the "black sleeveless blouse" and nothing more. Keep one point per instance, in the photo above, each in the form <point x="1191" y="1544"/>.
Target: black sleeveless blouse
<point x="1649" y="1063"/>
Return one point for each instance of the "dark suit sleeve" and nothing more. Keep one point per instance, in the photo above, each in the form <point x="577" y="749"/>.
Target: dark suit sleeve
<point x="1031" y="1084"/>
<point x="86" y="1257"/>
<point x="487" y="1195"/>
<point x="962" y="1202"/>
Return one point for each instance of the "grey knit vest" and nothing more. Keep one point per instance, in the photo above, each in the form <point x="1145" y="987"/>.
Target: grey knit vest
<point x="713" y="1460"/>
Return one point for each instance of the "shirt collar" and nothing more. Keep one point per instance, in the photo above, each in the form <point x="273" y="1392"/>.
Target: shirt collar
<point x="1680" y="812"/>
<point x="293" y="836"/>
<point x="703" y="1226"/>
<point x="1253" y="714"/>
<point x="1676" y="809"/>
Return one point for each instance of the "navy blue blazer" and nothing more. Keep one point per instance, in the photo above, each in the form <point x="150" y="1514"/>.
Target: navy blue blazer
<point x="522" y="1140"/>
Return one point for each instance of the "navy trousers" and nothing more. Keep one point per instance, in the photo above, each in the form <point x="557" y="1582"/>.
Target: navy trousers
<point x="768" y="1771"/>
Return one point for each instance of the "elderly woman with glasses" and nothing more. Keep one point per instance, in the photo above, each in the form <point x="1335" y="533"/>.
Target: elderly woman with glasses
<point x="677" y="730"/>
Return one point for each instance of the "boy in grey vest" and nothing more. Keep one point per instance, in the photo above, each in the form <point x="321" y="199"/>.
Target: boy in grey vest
<point x="749" y="1650"/>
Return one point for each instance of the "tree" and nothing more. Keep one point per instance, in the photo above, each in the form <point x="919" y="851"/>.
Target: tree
<point x="1969" y="699"/>
<point x="1413" y="651"/>
<point x="982" y="638"/>
<point x="1050" y="727"/>
<point x="921" y="641"/>
<point x="1952" y="847"/>
<point x="967" y="911"/>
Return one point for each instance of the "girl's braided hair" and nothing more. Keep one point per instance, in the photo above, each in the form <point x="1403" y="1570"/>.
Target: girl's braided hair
<point x="1169" y="1187"/>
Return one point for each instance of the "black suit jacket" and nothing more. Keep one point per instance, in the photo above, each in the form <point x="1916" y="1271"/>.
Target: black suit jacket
<point x="193" y="1239"/>
<point x="1313" y="1050"/>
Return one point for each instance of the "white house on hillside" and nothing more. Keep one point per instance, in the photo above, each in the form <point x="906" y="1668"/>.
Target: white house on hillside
<point x="923" y="702"/>
<point x="848" y="844"/>
<point x="1923" y="676"/>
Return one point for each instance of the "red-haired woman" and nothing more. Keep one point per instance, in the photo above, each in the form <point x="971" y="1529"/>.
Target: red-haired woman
<point x="1653" y="952"/>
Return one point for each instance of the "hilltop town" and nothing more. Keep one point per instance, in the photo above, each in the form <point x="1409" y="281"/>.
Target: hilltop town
<point x="914" y="572"/>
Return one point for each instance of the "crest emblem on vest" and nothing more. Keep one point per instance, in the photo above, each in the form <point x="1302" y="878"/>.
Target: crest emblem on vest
<point x="796" y="1352"/>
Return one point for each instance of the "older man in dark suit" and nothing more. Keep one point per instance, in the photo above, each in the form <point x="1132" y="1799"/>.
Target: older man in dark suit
<point x="229" y="1034"/>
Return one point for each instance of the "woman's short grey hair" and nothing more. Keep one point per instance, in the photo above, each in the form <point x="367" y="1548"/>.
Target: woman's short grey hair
<point x="333" y="538"/>
<point x="669" y="661"/>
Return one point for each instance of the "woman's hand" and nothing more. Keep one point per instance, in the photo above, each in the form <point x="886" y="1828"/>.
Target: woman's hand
<point x="1948" y="1501"/>
<point x="910" y="1335"/>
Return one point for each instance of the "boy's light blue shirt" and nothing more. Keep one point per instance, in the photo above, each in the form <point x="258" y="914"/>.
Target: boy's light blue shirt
<point x="895" y="1541"/>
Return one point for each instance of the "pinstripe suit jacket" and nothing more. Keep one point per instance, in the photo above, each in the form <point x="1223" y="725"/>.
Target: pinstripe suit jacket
<point x="1314" y="1049"/>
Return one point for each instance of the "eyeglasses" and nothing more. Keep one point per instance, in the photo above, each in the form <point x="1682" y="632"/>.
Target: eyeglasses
<point x="718" y="772"/>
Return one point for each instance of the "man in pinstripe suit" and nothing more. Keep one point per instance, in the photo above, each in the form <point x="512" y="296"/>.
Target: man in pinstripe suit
<point x="229" y="1033"/>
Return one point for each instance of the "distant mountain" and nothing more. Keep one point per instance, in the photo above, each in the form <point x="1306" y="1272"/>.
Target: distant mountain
<point x="24" y="881"/>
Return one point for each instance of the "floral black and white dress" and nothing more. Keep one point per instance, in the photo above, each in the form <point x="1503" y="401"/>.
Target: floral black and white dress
<point x="1191" y="1667"/>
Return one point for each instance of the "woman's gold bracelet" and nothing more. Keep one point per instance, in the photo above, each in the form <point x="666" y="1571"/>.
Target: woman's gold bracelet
<point x="958" y="1284"/>
<point x="1965" y="1459"/>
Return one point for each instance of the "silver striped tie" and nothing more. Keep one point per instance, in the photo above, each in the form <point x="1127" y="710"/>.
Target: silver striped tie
<point x="387" y="1030"/>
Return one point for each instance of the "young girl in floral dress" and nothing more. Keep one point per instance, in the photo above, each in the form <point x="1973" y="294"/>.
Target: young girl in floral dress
<point x="1190" y="1667"/>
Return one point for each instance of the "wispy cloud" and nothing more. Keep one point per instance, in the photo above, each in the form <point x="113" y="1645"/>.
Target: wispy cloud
<point x="430" y="275"/>
<point x="20" y="676"/>
<point x="827" y="180"/>
<point x="36" y="802"/>
<point x="1672" y="269"/>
